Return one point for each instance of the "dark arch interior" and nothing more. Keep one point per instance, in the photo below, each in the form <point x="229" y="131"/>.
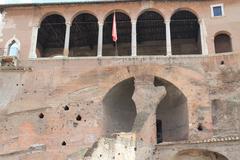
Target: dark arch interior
<point x="223" y="43"/>
<point x="123" y="47"/>
<point x="151" y="34"/>
<point x="185" y="34"/>
<point x="199" y="154"/>
<point x="51" y="36"/>
<point x="84" y="36"/>
<point x="171" y="114"/>
<point x="119" y="108"/>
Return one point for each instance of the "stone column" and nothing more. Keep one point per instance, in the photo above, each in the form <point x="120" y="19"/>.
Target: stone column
<point x="146" y="97"/>
<point x="100" y="39"/>
<point x="168" y="38"/>
<point x="67" y="39"/>
<point x="33" y="47"/>
<point x="203" y="37"/>
<point x="134" y="38"/>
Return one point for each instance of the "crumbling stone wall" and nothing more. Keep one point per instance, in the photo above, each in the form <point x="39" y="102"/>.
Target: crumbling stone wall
<point x="57" y="105"/>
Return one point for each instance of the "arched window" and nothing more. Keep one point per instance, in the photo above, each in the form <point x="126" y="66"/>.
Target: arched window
<point x="84" y="36"/>
<point x="123" y="45"/>
<point x="51" y="36"/>
<point x="222" y="43"/>
<point x="151" y="34"/>
<point x="185" y="33"/>
<point x="13" y="49"/>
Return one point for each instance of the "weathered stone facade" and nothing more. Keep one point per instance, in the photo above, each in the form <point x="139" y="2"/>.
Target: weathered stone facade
<point x="73" y="108"/>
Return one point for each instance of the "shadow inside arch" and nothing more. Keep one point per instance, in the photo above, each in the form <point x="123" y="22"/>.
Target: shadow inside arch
<point x="119" y="108"/>
<point x="172" y="122"/>
<point x="198" y="154"/>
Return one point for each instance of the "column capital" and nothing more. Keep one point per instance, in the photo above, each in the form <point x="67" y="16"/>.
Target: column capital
<point x="200" y="20"/>
<point x="133" y="21"/>
<point x="68" y="23"/>
<point x="35" y="26"/>
<point x="100" y="23"/>
<point x="167" y="21"/>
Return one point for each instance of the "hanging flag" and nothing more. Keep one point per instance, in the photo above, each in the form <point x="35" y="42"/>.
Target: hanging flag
<point x="114" y="29"/>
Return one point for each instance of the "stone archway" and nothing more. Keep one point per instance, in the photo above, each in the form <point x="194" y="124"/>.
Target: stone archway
<point x="191" y="83"/>
<point x="171" y="114"/>
<point x="130" y="107"/>
<point x="199" y="154"/>
<point x="134" y="105"/>
<point x="119" y="108"/>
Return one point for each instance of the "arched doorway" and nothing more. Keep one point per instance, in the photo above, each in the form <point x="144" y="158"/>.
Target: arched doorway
<point x="185" y="33"/>
<point x="13" y="49"/>
<point x="222" y="43"/>
<point x="199" y="154"/>
<point x="84" y="36"/>
<point x="151" y="34"/>
<point x="119" y="108"/>
<point x="123" y="46"/>
<point x="51" y="36"/>
<point x="171" y="114"/>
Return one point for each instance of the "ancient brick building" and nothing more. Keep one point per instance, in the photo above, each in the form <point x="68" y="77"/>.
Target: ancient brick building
<point x="168" y="89"/>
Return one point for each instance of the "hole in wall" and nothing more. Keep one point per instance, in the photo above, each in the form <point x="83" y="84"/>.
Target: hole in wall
<point x="75" y="124"/>
<point x="41" y="115"/>
<point x="66" y="108"/>
<point x="64" y="143"/>
<point x="78" y="118"/>
<point x="222" y="62"/>
<point x="200" y="127"/>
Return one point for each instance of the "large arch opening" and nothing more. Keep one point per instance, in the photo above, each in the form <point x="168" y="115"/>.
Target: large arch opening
<point x="84" y="36"/>
<point x="199" y="154"/>
<point x="51" y="36"/>
<point x="171" y="114"/>
<point x="185" y="33"/>
<point x="123" y="45"/>
<point x="151" y="34"/>
<point x="222" y="43"/>
<point x="119" y="108"/>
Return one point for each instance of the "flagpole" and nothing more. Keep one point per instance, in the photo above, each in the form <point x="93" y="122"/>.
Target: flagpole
<point x="116" y="49"/>
<point x="116" y="46"/>
<point x="114" y="33"/>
